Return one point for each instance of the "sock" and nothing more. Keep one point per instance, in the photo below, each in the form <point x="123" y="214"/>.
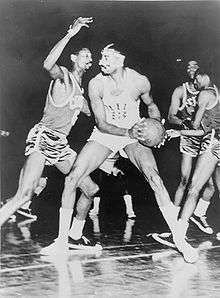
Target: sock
<point x="170" y="213"/>
<point x="128" y="204"/>
<point x="76" y="229"/>
<point x="201" y="207"/>
<point x="26" y="205"/>
<point x="64" y="223"/>
<point x="96" y="201"/>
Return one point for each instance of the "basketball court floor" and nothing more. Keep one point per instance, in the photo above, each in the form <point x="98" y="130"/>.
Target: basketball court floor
<point x="131" y="263"/>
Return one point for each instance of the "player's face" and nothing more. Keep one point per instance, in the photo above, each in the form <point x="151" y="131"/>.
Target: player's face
<point x="108" y="63"/>
<point x="84" y="59"/>
<point x="192" y="67"/>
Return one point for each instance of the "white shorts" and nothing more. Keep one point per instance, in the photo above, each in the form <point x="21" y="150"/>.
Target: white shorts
<point x="113" y="142"/>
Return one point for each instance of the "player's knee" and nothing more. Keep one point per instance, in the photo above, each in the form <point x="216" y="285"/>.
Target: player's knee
<point x="193" y="191"/>
<point x="91" y="190"/>
<point x="184" y="180"/>
<point x="72" y="179"/>
<point x="155" y="181"/>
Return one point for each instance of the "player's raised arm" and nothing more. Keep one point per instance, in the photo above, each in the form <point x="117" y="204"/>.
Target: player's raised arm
<point x="50" y="62"/>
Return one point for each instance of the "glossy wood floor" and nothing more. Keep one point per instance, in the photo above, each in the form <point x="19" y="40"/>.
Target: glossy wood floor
<point x="131" y="264"/>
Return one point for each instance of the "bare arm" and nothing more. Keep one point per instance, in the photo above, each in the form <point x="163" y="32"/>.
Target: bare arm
<point x="50" y="62"/>
<point x="203" y="100"/>
<point x="145" y="88"/>
<point x="174" y="106"/>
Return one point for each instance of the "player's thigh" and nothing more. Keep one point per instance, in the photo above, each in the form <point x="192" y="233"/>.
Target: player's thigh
<point x="33" y="168"/>
<point x="186" y="165"/>
<point x="204" y="168"/>
<point x="141" y="156"/>
<point x="90" y="158"/>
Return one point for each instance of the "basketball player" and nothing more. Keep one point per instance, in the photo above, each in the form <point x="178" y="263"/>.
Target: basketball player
<point x="115" y="95"/>
<point x="207" y="117"/>
<point x="182" y="112"/>
<point x="46" y="141"/>
<point x="110" y="167"/>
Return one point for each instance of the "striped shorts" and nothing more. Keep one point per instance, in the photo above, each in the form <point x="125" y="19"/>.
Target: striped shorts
<point x="190" y="145"/>
<point x="211" y="143"/>
<point x="51" y="144"/>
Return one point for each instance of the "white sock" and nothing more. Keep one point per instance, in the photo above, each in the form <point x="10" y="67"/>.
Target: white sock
<point x="26" y="205"/>
<point x="170" y="213"/>
<point x="96" y="201"/>
<point x="64" y="223"/>
<point x="201" y="207"/>
<point x="76" y="229"/>
<point x="128" y="204"/>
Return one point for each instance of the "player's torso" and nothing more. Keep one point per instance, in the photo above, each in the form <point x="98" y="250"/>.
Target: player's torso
<point x="121" y="104"/>
<point x="61" y="115"/>
<point x="189" y="102"/>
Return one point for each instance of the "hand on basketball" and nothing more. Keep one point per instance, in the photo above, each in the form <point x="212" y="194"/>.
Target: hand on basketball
<point x="78" y="24"/>
<point x="173" y="133"/>
<point x="137" y="131"/>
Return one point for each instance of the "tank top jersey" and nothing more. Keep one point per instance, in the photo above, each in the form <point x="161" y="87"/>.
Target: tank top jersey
<point x="189" y="103"/>
<point x="121" y="110"/>
<point x="211" y="116"/>
<point x="61" y="117"/>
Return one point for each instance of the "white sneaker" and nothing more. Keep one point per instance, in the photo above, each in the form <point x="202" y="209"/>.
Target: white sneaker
<point x="93" y="212"/>
<point x="58" y="247"/>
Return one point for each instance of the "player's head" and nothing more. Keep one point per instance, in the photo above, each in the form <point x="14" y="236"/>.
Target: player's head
<point x="82" y="59"/>
<point x="202" y="80"/>
<point x="111" y="59"/>
<point x="192" y="69"/>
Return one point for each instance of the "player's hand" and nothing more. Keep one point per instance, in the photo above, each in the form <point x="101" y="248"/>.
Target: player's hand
<point x="172" y="133"/>
<point x="137" y="131"/>
<point x="78" y="24"/>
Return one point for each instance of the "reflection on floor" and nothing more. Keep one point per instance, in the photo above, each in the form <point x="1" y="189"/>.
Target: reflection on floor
<point x="131" y="264"/>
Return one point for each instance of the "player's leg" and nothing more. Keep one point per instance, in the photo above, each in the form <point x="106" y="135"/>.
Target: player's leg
<point x="142" y="157"/>
<point x="30" y="175"/>
<point x="199" y="216"/>
<point x="204" y="168"/>
<point x="186" y="166"/>
<point x="91" y="156"/>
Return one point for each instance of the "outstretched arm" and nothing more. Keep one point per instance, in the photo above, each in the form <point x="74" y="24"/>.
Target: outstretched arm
<point x="50" y="62"/>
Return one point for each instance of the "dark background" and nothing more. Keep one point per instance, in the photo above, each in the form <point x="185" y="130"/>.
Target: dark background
<point x="153" y="35"/>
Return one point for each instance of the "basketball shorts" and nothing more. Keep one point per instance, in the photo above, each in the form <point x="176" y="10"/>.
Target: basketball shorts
<point x="51" y="144"/>
<point x="190" y="145"/>
<point x="211" y="143"/>
<point x="113" y="142"/>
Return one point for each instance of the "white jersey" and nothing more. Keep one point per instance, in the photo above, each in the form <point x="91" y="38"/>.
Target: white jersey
<point x="121" y="105"/>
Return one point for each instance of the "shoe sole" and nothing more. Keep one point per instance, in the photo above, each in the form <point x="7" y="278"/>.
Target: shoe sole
<point x="156" y="237"/>
<point x="82" y="247"/>
<point x="200" y="226"/>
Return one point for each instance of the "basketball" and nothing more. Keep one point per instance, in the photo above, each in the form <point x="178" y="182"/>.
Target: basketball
<point x="154" y="132"/>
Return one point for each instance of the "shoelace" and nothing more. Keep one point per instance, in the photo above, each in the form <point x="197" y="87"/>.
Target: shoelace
<point x="85" y="240"/>
<point x="203" y="220"/>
